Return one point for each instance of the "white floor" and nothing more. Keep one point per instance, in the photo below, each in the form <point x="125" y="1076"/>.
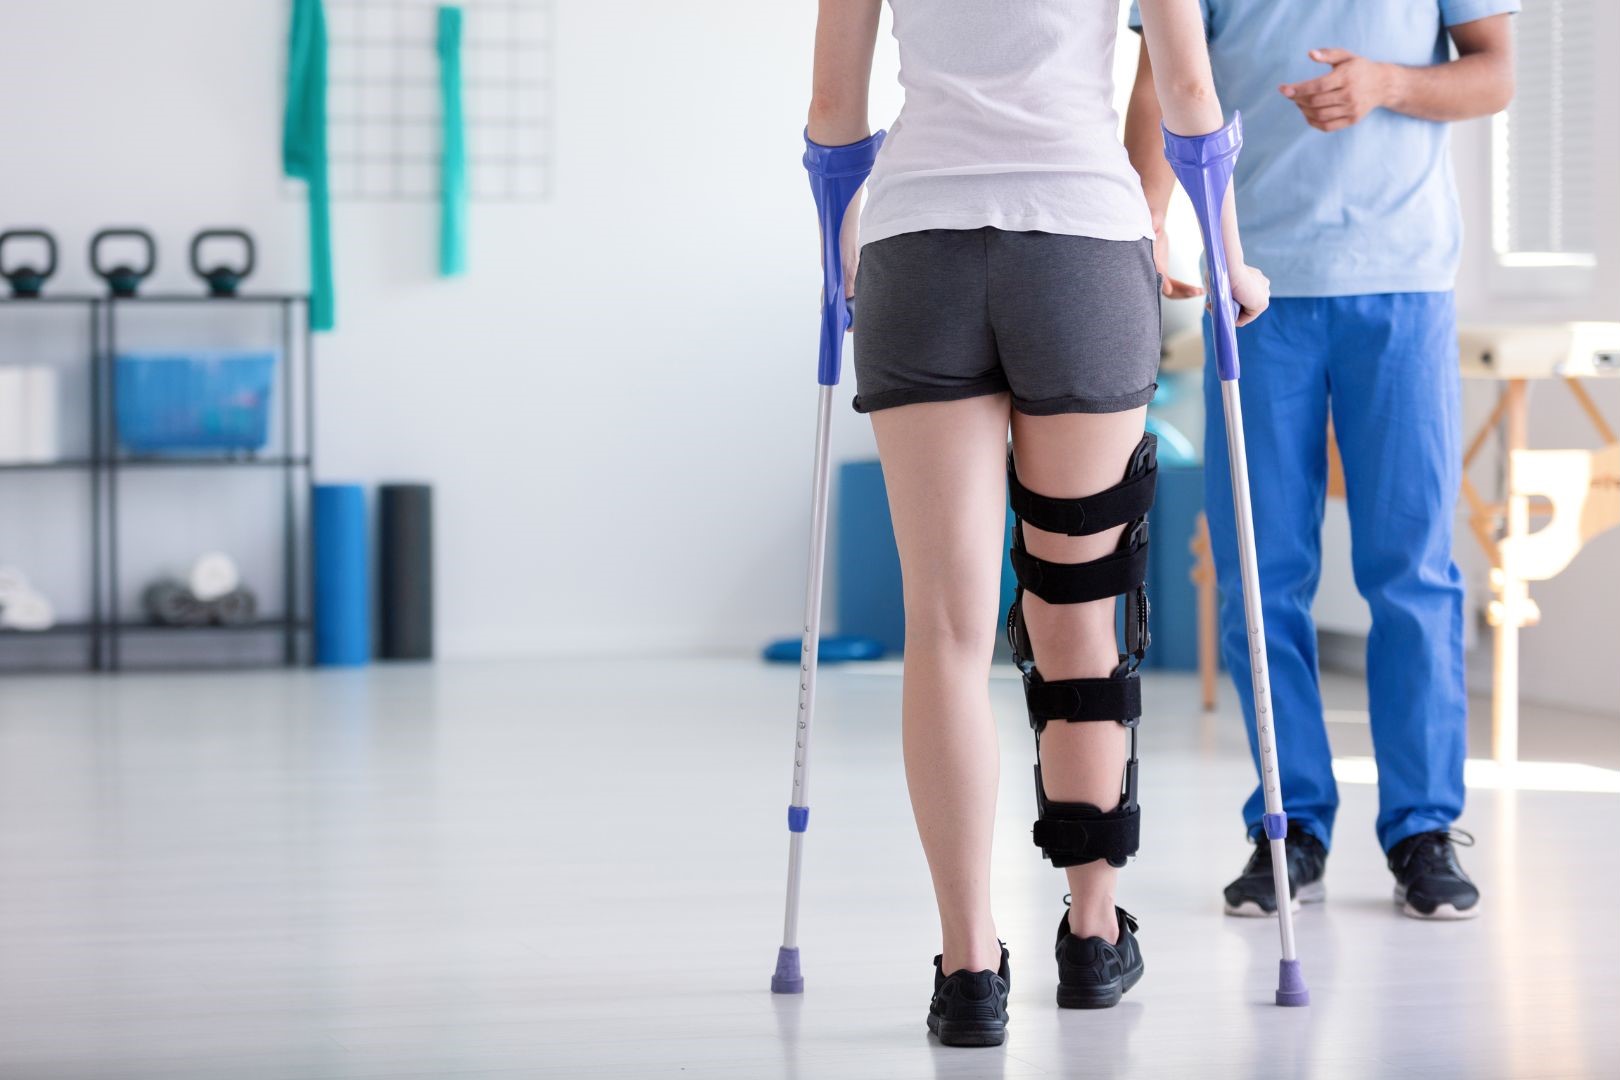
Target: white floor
<point x="574" y="869"/>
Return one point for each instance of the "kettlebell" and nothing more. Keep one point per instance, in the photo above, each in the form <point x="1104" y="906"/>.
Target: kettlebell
<point x="223" y="280"/>
<point x="26" y="281"/>
<point x="123" y="280"/>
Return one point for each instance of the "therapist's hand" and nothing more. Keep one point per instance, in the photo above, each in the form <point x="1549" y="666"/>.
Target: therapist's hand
<point x="1355" y="87"/>
<point x="1169" y="286"/>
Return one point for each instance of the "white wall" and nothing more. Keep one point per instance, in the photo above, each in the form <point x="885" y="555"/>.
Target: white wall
<point x="616" y="403"/>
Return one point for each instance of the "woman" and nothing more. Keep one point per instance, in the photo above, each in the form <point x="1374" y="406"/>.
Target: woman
<point x="1007" y="279"/>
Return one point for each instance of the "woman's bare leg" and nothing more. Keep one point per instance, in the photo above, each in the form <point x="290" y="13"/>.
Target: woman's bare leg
<point x="1066" y="457"/>
<point x="944" y="464"/>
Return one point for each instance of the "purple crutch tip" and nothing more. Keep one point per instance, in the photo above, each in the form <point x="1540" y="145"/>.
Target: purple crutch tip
<point x="787" y="980"/>
<point x="1291" y="984"/>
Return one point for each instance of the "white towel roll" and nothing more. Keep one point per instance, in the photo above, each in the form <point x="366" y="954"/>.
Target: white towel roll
<point x="27" y="611"/>
<point x="13" y="582"/>
<point x="13" y="417"/>
<point x="212" y="576"/>
<point x="39" y="413"/>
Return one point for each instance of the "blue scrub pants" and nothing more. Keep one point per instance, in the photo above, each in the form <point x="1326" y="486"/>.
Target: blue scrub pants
<point x="1385" y="368"/>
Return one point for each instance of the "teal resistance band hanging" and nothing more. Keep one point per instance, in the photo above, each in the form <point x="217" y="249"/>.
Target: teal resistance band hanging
<point x="453" y="179"/>
<point x="303" y="148"/>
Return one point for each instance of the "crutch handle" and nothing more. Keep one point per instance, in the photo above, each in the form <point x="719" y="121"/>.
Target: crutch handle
<point x="1204" y="164"/>
<point x="836" y="174"/>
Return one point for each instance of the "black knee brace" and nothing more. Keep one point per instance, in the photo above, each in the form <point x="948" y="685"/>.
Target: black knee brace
<point x="1073" y="833"/>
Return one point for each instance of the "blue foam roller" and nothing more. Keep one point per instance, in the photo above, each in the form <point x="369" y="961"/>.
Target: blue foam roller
<point x="342" y="576"/>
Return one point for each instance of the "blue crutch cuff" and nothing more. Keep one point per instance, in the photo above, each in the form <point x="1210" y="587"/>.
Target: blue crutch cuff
<point x="836" y="174"/>
<point x="855" y="159"/>
<point x="1204" y="151"/>
<point x="1204" y="164"/>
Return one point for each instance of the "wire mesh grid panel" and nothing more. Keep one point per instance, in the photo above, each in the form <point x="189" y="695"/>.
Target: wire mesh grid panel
<point x="385" y="114"/>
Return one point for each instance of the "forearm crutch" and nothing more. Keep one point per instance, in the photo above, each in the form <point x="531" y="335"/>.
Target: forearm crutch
<point x="1203" y="164"/>
<point x="836" y="174"/>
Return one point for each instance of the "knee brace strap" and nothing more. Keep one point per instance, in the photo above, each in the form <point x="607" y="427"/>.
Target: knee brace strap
<point x="1092" y="835"/>
<point x="1126" y="577"/>
<point x="1072" y="834"/>
<point x="1079" y="583"/>
<point x="1126" y="501"/>
<point x="1078" y="700"/>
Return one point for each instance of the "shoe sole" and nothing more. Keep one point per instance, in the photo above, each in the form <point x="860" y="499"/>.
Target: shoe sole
<point x="1097" y="997"/>
<point x="1441" y="912"/>
<point x="1314" y="893"/>
<point x="956" y="1033"/>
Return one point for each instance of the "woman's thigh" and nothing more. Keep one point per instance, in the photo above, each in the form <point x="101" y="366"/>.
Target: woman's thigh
<point x="944" y="465"/>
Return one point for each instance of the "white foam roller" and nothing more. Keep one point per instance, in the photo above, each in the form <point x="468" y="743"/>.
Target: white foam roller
<point x="212" y="576"/>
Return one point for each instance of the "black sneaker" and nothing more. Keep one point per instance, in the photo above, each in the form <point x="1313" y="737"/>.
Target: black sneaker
<point x="1254" y="894"/>
<point x="970" y="1007"/>
<point x="1094" y="973"/>
<point x="1429" y="882"/>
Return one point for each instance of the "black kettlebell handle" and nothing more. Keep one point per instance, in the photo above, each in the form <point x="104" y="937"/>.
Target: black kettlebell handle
<point x="31" y="234"/>
<point x="123" y="271"/>
<point x="223" y="280"/>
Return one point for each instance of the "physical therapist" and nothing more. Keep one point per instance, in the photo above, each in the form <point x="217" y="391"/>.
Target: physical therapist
<point x="1346" y="195"/>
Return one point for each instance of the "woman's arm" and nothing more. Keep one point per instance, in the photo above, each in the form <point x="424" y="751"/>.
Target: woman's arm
<point x="846" y="35"/>
<point x="1173" y="32"/>
<point x="1145" y="145"/>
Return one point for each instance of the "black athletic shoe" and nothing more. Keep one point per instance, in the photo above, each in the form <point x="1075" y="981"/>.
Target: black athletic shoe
<point x="1429" y="882"/>
<point x="1094" y="973"/>
<point x="970" y="1007"/>
<point x="1254" y="894"/>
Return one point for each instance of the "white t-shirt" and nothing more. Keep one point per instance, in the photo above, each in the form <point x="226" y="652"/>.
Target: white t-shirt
<point x="1008" y="122"/>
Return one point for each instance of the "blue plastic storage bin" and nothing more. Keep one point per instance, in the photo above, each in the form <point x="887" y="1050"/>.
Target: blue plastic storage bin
<point x="195" y="401"/>
<point x="1174" y="597"/>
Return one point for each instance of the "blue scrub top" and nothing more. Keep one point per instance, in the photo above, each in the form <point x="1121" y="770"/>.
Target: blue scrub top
<point x="1371" y="208"/>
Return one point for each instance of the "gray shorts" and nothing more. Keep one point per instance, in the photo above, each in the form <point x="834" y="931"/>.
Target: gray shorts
<point x="1068" y="324"/>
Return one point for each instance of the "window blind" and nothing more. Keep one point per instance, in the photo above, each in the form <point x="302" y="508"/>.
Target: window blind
<point x="1543" y="186"/>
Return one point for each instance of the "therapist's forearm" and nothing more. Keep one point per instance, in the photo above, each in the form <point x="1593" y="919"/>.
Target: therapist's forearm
<point x="1462" y="89"/>
<point x="1478" y="83"/>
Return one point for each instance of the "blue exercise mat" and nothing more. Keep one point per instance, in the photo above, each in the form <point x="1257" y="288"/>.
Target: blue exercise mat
<point x="832" y="650"/>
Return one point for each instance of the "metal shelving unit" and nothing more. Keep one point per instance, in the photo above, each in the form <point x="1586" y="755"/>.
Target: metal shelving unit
<point x="109" y="469"/>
